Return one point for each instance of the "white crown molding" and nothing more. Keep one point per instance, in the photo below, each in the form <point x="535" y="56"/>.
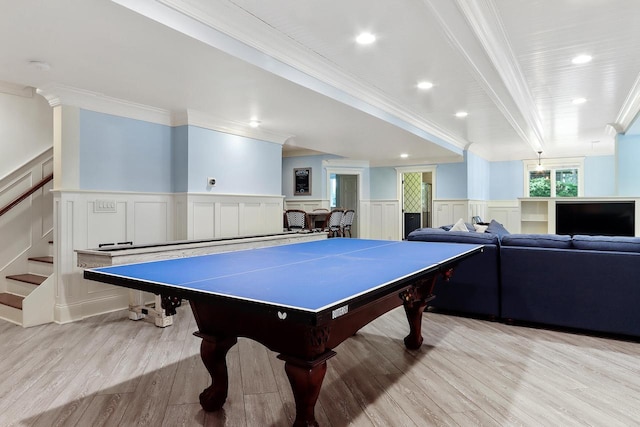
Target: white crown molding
<point x="66" y="95"/>
<point x="489" y="29"/>
<point x="472" y="35"/>
<point x="94" y="101"/>
<point x="209" y="121"/>
<point x="630" y="108"/>
<point x="252" y="40"/>
<point x="15" y="89"/>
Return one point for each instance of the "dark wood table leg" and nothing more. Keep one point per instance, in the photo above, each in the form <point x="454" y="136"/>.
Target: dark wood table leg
<point x="214" y="356"/>
<point x="306" y="379"/>
<point x="415" y="299"/>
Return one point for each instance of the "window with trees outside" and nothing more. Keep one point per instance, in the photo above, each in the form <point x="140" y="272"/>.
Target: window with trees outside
<point x="554" y="178"/>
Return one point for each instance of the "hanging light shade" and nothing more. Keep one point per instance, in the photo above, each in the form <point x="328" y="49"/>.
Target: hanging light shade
<point x="539" y="167"/>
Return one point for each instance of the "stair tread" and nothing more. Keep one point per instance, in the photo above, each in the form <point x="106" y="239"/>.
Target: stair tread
<point x="11" y="300"/>
<point x="35" y="279"/>
<point x="47" y="259"/>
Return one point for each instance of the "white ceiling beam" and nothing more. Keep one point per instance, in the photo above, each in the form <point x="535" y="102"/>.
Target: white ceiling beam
<point x="225" y="26"/>
<point x="474" y="28"/>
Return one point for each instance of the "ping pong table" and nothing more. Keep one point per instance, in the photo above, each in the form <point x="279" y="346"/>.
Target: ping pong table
<point x="300" y="300"/>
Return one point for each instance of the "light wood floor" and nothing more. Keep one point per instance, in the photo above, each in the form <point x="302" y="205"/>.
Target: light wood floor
<point x="110" y="371"/>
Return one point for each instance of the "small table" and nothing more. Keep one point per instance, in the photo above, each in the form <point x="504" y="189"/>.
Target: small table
<point x="318" y="219"/>
<point x="300" y="300"/>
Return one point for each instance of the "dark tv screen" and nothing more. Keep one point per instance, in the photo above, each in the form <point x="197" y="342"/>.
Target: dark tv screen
<point x="596" y="218"/>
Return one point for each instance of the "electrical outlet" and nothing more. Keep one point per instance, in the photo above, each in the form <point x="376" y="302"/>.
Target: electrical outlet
<point x="211" y="182"/>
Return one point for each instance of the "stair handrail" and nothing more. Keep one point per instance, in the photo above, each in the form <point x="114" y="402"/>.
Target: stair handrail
<point x="26" y="194"/>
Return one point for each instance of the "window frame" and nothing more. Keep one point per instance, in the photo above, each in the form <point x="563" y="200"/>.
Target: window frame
<point x="552" y="165"/>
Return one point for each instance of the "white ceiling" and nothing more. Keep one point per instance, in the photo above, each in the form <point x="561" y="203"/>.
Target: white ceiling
<point x="294" y="65"/>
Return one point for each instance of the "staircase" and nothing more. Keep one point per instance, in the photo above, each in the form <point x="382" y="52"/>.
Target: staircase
<point x="22" y="302"/>
<point x="27" y="277"/>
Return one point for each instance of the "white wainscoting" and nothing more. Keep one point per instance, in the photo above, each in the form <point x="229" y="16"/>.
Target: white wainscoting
<point x="86" y="219"/>
<point x="384" y="221"/>
<point x="449" y="211"/>
<point x="212" y="216"/>
<point x="506" y="212"/>
<point x="307" y="205"/>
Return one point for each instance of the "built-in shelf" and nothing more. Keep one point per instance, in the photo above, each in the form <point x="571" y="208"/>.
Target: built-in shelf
<point x="538" y="215"/>
<point x="534" y="216"/>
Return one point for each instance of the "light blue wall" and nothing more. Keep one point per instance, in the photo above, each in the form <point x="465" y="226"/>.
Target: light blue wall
<point x="600" y="176"/>
<point x="318" y="176"/>
<point x="478" y="177"/>
<point x="384" y="185"/>
<point x="240" y="165"/>
<point x="451" y="181"/>
<point x="627" y="166"/>
<point x="506" y="180"/>
<point x="120" y="154"/>
<point x="499" y="180"/>
<point x="180" y="161"/>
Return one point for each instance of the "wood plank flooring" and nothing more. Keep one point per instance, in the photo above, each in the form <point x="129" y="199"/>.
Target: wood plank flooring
<point x="110" y="371"/>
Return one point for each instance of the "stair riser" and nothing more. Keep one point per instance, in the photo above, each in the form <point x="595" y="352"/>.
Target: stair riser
<point x="41" y="268"/>
<point x="20" y="288"/>
<point x="11" y="314"/>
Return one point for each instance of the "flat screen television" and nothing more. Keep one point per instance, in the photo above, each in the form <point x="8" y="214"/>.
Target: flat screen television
<point x="596" y="218"/>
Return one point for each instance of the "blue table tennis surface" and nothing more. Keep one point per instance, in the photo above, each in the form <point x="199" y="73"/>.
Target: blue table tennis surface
<point x="310" y="276"/>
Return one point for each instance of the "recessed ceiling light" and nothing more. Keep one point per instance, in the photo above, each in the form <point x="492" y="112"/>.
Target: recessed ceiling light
<point x="254" y="123"/>
<point x="581" y="59"/>
<point x="425" y="85"/>
<point x="404" y="155"/>
<point x="462" y="114"/>
<point x="578" y="101"/>
<point x="365" y="38"/>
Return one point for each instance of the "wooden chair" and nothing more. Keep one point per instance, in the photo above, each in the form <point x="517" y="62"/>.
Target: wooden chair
<point x="333" y="223"/>
<point x="296" y="220"/>
<point x="347" y="222"/>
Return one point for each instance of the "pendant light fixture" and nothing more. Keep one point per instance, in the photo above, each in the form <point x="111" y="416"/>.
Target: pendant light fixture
<point x="539" y="167"/>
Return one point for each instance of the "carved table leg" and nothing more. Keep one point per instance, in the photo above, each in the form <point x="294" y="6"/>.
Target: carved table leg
<point x="214" y="356"/>
<point x="306" y="380"/>
<point x="415" y="300"/>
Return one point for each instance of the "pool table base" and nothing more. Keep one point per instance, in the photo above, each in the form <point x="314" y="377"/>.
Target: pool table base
<point x="304" y="348"/>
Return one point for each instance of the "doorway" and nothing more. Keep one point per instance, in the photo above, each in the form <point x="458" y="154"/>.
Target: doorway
<point x="344" y="195"/>
<point x="417" y="200"/>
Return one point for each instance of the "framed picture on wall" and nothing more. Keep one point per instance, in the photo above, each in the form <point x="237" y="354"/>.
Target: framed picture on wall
<point x="302" y="181"/>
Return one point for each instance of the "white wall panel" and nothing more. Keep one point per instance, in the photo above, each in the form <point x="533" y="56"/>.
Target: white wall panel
<point x="105" y="227"/>
<point x="252" y="218"/>
<point x="506" y="212"/>
<point x="384" y="220"/>
<point x="203" y="221"/>
<point x="150" y="222"/>
<point x="229" y="220"/>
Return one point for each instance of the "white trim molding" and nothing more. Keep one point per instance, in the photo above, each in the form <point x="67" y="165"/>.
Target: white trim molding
<point x="66" y="95"/>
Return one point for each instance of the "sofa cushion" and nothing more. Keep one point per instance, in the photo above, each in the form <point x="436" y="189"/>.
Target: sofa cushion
<point x="496" y="228"/>
<point x="448" y="227"/>
<point x="537" y="240"/>
<point x="480" y="228"/>
<point x="439" y="235"/>
<point x="460" y="226"/>
<point x="607" y="243"/>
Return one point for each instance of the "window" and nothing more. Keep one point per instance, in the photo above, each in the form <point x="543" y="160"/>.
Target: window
<point x="556" y="178"/>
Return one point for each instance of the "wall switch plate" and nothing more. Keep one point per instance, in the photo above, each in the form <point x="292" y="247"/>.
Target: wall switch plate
<point x="104" y="206"/>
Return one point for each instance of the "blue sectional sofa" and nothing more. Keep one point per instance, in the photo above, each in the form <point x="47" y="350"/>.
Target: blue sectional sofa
<point x="474" y="287"/>
<point x="590" y="283"/>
